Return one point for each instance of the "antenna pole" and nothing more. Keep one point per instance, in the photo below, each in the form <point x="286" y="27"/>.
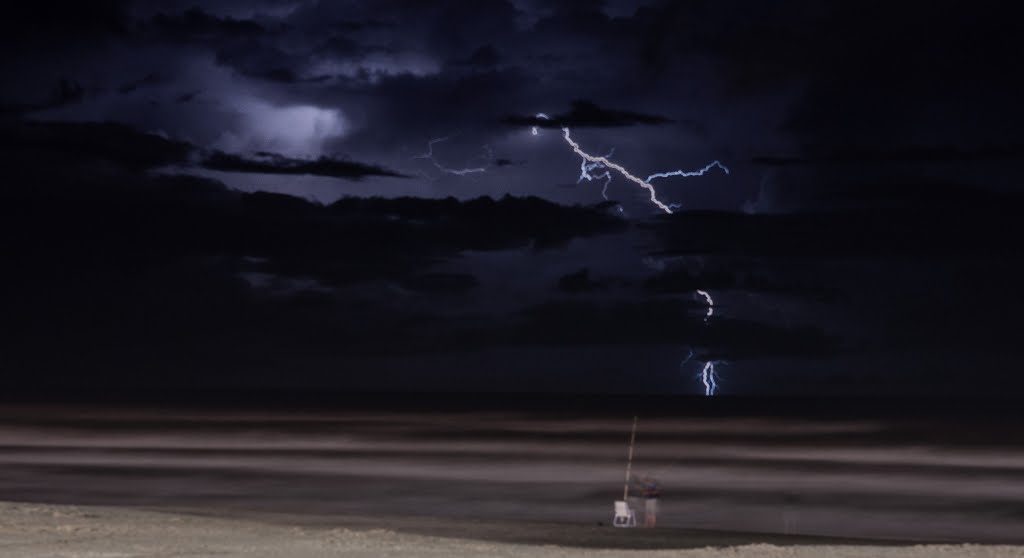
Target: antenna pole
<point x="629" y="462"/>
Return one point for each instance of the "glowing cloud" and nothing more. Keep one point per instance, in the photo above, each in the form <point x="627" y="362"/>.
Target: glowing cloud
<point x="295" y="131"/>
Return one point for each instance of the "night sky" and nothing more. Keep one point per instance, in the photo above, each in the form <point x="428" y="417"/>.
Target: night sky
<point x="350" y="196"/>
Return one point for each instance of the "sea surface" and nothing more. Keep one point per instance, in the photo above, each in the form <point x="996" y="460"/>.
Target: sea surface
<point x="896" y="474"/>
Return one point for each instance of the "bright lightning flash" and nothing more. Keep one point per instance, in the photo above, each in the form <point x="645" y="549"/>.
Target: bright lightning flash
<point x="592" y="162"/>
<point x="711" y="304"/>
<point x="708" y="377"/>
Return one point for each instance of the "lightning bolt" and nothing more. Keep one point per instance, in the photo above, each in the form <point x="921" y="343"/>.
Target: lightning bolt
<point x="711" y="304"/>
<point x="429" y="155"/>
<point x="688" y="174"/>
<point x="708" y="374"/>
<point x="593" y="162"/>
<point x="586" y="168"/>
<point x="708" y="377"/>
<point x="604" y="162"/>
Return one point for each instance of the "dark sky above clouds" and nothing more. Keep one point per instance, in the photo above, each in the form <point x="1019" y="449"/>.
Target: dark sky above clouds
<point x="262" y="194"/>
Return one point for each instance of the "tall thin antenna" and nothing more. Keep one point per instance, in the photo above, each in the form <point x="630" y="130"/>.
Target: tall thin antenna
<point x="629" y="462"/>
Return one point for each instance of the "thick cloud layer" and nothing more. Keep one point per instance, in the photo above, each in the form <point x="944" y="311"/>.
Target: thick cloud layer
<point x="272" y="163"/>
<point x="217" y="193"/>
<point x="586" y="114"/>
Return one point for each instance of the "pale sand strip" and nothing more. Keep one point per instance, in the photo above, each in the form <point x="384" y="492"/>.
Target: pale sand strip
<point x="42" y="530"/>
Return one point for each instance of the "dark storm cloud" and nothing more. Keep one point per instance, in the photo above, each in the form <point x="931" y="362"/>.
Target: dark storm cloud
<point x="580" y="282"/>
<point x="907" y="272"/>
<point x="65" y="92"/>
<point x="195" y="24"/>
<point x="57" y="144"/>
<point x="485" y="223"/>
<point x="351" y="239"/>
<point x="919" y="79"/>
<point x="263" y="61"/>
<point x="272" y="163"/>
<point x="415" y="71"/>
<point x="585" y="114"/>
<point x="53" y="24"/>
<point x="763" y="277"/>
<point x="188" y="97"/>
<point x="396" y="72"/>
<point x="876" y="234"/>
<point x="152" y="78"/>
<point x="905" y="155"/>
<point x="653" y="321"/>
<point x="175" y="263"/>
<point x="440" y="283"/>
<point x="944" y="200"/>
<point x="486" y="56"/>
<point x="858" y="104"/>
<point x="133" y="150"/>
<point x="756" y="46"/>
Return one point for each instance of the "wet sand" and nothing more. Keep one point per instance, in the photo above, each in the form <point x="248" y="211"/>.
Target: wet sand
<point x="505" y="479"/>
